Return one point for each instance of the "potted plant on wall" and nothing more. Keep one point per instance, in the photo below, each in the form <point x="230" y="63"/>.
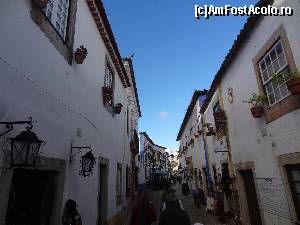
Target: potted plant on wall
<point x="292" y="81"/>
<point x="118" y="108"/>
<point x="80" y="54"/>
<point x="107" y="93"/>
<point x="257" y="102"/>
<point x="210" y="129"/>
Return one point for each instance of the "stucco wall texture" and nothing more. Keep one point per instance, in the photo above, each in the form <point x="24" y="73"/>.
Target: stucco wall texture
<point x="37" y="81"/>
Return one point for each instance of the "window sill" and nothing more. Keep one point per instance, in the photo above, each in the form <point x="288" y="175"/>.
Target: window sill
<point x="285" y="106"/>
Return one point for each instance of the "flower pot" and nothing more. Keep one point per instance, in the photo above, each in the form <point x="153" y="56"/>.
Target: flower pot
<point x="107" y="93"/>
<point x="293" y="85"/>
<point x="40" y="3"/>
<point x="79" y="57"/>
<point x="118" y="108"/>
<point x="257" y="111"/>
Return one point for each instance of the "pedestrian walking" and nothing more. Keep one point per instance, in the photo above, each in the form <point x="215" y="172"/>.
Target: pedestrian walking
<point x="173" y="214"/>
<point x="143" y="213"/>
<point x="168" y="192"/>
<point x="185" y="189"/>
<point x="70" y="214"/>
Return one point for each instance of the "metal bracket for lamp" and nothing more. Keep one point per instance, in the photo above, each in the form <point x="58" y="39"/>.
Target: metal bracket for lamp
<point x="10" y="125"/>
<point x="78" y="150"/>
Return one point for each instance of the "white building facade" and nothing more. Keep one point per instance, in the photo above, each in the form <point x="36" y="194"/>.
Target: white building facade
<point x="192" y="157"/>
<point x="262" y="153"/>
<point x="154" y="160"/>
<point x="40" y="79"/>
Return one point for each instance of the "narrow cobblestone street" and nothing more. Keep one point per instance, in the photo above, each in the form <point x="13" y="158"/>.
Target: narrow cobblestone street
<point x="197" y="215"/>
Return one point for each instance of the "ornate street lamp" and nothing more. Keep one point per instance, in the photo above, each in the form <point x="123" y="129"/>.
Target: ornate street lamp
<point x="25" y="147"/>
<point x="87" y="164"/>
<point x="87" y="161"/>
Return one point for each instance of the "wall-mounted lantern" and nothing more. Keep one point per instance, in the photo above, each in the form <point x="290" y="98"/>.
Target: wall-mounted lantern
<point x="25" y="147"/>
<point x="87" y="164"/>
<point x="87" y="161"/>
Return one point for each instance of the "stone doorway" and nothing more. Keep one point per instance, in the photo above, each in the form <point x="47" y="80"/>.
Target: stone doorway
<point x="31" y="197"/>
<point x="34" y="193"/>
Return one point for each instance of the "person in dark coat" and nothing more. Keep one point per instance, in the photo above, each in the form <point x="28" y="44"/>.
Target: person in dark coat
<point x="173" y="214"/>
<point x="70" y="214"/>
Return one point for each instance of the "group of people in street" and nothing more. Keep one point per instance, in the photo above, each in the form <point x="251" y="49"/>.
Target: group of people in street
<point x="172" y="211"/>
<point x="218" y="200"/>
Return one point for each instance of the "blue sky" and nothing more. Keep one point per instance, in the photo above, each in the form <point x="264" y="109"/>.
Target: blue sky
<point x="174" y="53"/>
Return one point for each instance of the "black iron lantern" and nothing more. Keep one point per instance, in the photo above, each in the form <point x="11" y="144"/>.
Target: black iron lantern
<point x="87" y="164"/>
<point x="25" y="149"/>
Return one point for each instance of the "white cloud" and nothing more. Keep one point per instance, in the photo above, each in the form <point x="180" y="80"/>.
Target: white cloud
<point x="163" y="115"/>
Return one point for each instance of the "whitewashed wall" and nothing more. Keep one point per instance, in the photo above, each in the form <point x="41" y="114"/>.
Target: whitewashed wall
<point x="253" y="139"/>
<point x="196" y="151"/>
<point x="36" y="81"/>
<point x="213" y="143"/>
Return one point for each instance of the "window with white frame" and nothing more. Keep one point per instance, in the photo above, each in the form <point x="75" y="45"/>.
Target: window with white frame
<point x="57" y="13"/>
<point x="274" y="61"/>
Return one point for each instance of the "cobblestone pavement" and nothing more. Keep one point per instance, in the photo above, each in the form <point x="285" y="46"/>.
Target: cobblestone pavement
<point x="196" y="215"/>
